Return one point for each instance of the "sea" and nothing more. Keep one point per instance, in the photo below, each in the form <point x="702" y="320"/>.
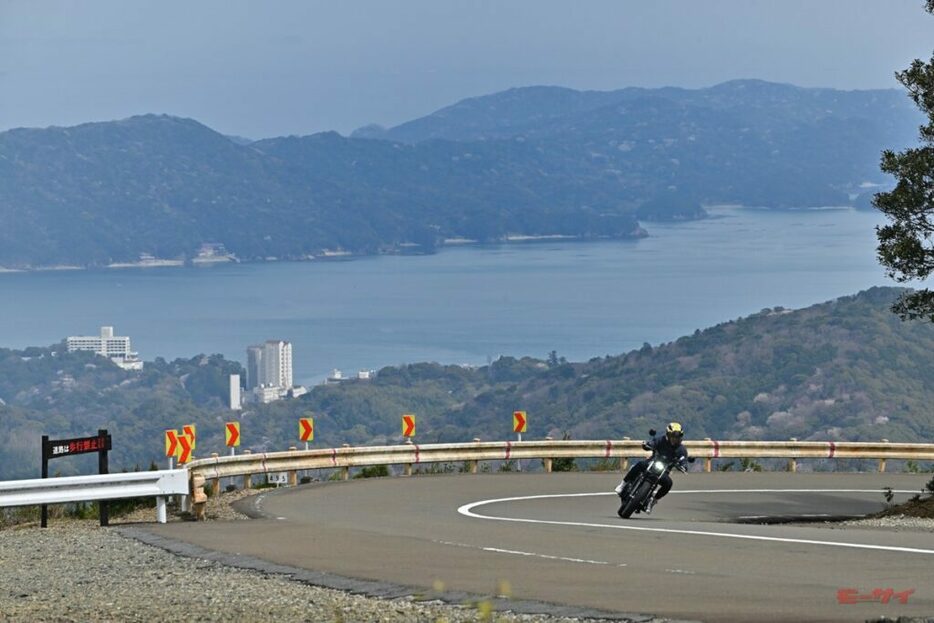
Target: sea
<point x="464" y="305"/>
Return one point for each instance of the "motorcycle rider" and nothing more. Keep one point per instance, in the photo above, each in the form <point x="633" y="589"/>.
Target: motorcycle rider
<point x="668" y="448"/>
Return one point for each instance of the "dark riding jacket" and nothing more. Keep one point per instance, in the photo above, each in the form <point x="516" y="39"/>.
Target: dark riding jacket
<point x="665" y="450"/>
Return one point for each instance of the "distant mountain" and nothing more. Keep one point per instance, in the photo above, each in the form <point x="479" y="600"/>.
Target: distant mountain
<point x="535" y="161"/>
<point x="744" y="141"/>
<point x="763" y="106"/>
<point x="108" y="192"/>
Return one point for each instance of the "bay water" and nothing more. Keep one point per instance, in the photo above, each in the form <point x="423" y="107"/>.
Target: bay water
<point x="464" y="305"/>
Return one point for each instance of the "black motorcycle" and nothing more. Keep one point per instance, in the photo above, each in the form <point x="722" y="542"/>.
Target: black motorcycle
<point x="638" y="495"/>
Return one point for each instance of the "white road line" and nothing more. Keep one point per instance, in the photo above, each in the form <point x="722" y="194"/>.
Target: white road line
<point x="880" y="491"/>
<point x="531" y="554"/>
<point x="467" y="511"/>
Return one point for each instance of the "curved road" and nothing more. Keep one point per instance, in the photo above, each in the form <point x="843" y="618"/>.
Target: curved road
<point x="556" y="538"/>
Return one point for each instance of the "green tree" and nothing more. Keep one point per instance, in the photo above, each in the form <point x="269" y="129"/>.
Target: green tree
<point x="906" y="244"/>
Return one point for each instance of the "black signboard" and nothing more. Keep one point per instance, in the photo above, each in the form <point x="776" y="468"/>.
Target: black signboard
<point x="56" y="448"/>
<point x="81" y="445"/>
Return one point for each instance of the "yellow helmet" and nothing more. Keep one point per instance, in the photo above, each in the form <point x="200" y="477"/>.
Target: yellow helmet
<point x="674" y="433"/>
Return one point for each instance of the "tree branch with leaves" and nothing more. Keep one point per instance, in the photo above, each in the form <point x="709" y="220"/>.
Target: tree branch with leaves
<point x="906" y="243"/>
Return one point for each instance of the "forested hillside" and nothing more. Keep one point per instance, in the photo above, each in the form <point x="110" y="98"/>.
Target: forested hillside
<point x="848" y="369"/>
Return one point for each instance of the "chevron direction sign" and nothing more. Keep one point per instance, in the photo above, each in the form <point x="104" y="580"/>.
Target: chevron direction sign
<point x="520" y="422"/>
<point x="171" y="443"/>
<point x="408" y="425"/>
<point x="306" y="429"/>
<point x="232" y="434"/>
<point x="190" y="430"/>
<point x="184" y="449"/>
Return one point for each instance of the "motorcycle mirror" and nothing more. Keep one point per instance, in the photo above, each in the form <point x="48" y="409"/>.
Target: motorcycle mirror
<point x="691" y="459"/>
<point x="651" y="432"/>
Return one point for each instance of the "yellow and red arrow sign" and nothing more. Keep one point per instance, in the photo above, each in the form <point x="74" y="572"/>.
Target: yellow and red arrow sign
<point x="306" y="429"/>
<point x="408" y="425"/>
<point x="232" y="434"/>
<point x="520" y="422"/>
<point x="184" y="449"/>
<point x="171" y="443"/>
<point x="189" y="430"/>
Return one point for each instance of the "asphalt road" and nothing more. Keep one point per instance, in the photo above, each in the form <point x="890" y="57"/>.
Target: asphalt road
<point x="690" y="559"/>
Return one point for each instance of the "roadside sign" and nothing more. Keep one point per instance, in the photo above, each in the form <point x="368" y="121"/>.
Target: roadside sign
<point x="277" y="478"/>
<point x="306" y="429"/>
<point x="171" y="443"/>
<point x="65" y="447"/>
<point x="408" y="425"/>
<point x="232" y="434"/>
<point x="184" y="449"/>
<point x="57" y="448"/>
<point x="189" y="430"/>
<point x="520" y="422"/>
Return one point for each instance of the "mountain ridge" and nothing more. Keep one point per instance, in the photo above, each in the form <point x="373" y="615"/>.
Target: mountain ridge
<point x="586" y="165"/>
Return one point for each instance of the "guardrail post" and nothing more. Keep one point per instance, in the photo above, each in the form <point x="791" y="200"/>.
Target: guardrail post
<point x="247" y="478"/>
<point x="546" y="462"/>
<point x="624" y="461"/>
<point x="708" y="462"/>
<point x="473" y="466"/>
<point x="793" y="462"/>
<point x="161" y="515"/>
<point x="882" y="461"/>
<point x="293" y="475"/>
<point x="215" y="482"/>
<point x="198" y="498"/>
<point x="345" y="471"/>
<point x="407" y="468"/>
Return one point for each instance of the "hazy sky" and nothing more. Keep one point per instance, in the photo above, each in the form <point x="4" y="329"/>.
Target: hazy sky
<point x="294" y="67"/>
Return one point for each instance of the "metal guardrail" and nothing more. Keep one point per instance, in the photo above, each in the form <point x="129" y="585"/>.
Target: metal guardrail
<point x="191" y="479"/>
<point x="411" y="454"/>
<point x="158" y="484"/>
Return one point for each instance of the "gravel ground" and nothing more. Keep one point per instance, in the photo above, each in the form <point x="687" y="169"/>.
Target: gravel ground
<point x="895" y="522"/>
<point x="77" y="571"/>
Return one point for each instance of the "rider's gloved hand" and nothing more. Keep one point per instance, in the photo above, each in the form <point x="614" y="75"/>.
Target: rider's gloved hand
<point x="646" y="446"/>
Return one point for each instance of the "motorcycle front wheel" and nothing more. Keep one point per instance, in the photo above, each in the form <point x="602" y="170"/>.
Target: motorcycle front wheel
<point x="636" y="500"/>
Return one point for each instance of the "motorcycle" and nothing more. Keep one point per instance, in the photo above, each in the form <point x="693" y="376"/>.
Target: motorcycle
<point x="638" y="495"/>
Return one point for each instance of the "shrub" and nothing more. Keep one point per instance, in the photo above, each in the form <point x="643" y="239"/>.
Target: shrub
<point x="374" y="471"/>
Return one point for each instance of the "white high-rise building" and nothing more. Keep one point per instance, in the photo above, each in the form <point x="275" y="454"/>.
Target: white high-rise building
<point x="277" y="363"/>
<point x="116" y="347"/>
<point x="235" y="402"/>
<point x="255" y="373"/>
<point x="269" y="370"/>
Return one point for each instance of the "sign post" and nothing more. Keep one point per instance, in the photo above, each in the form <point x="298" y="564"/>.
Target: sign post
<point x="53" y="449"/>
<point x="520" y="423"/>
<point x="408" y="425"/>
<point x="171" y="447"/>
<point x="232" y="436"/>
<point x="306" y="430"/>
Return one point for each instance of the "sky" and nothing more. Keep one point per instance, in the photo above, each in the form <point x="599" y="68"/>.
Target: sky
<point x="261" y="69"/>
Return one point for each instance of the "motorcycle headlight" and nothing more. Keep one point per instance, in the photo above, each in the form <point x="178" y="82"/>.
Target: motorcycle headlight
<point x="657" y="467"/>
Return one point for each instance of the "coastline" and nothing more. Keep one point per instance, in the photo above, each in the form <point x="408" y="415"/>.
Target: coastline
<point x="713" y="211"/>
<point x="330" y="254"/>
